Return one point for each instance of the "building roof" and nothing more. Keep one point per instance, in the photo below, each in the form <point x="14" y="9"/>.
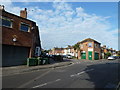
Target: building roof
<point x="56" y="48"/>
<point x="17" y="16"/>
<point x="88" y="39"/>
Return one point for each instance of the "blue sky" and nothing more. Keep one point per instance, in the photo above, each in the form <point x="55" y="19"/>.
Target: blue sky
<point x="99" y="8"/>
<point x="66" y="23"/>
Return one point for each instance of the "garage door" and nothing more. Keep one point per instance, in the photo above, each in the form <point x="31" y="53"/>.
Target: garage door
<point x="14" y="55"/>
<point x="90" y="55"/>
<point x="83" y="55"/>
<point x="96" y="56"/>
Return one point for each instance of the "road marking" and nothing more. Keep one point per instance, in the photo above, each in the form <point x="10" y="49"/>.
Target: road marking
<point x="58" y="80"/>
<point x="118" y="86"/>
<point x="81" y="73"/>
<point x="46" y="83"/>
<point x="40" y="85"/>
<point x="34" y="79"/>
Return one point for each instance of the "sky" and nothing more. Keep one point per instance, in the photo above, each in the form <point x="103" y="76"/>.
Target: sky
<point x="66" y="23"/>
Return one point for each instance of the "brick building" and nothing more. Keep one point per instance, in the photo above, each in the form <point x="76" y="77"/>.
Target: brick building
<point x="89" y="49"/>
<point x="70" y="51"/>
<point x="63" y="51"/>
<point x="56" y="51"/>
<point x="20" y="38"/>
<point x="105" y="50"/>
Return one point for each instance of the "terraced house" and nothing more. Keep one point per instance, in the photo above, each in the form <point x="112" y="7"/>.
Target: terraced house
<point x="20" y="38"/>
<point x="105" y="50"/>
<point x="89" y="49"/>
<point x="56" y="51"/>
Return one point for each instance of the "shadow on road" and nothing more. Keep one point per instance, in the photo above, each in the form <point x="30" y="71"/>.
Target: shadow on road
<point x="106" y="75"/>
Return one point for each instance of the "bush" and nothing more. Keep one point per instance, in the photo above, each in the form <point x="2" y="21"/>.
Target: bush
<point x="73" y="57"/>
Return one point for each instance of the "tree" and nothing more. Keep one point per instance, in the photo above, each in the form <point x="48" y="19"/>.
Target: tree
<point x="118" y="53"/>
<point x="107" y="54"/>
<point x="76" y="47"/>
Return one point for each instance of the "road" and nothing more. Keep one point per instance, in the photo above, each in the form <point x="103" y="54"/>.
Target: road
<point x="81" y="74"/>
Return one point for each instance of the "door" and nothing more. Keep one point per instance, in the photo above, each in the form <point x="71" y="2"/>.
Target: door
<point x="96" y="56"/>
<point x="90" y="55"/>
<point x="37" y="51"/>
<point x="14" y="55"/>
<point x="83" y="55"/>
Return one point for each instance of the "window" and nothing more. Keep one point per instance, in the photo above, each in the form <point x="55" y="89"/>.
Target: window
<point x="24" y="27"/>
<point x="98" y="46"/>
<point x="81" y="45"/>
<point x="89" y="44"/>
<point x="37" y="51"/>
<point x="6" y="22"/>
<point x="95" y="45"/>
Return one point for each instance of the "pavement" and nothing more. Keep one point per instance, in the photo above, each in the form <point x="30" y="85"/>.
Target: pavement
<point x="24" y="68"/>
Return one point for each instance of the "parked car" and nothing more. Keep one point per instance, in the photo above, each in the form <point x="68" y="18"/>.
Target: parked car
<point x="112" y="58"/>
<point x="64" y="56"/>
<point x="117" y="57"/>
<point x="69" y="56"/>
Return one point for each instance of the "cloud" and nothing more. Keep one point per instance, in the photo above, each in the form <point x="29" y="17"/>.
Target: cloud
<point x="62" y="25"/>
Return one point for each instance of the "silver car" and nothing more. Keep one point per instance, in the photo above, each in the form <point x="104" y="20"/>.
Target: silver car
<point x="69" y="56"/>
<point x="111" y="58"/>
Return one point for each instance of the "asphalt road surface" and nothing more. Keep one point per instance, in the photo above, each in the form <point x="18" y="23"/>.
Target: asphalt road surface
<point x="81" y="74"/>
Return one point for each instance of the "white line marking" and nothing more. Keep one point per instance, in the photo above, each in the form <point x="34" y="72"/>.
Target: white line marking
<point x="81" y="73"/>
<point x="72" y="75"/>
<point x="58" y="80"/>
<point x="40" y="85"/>
<point x="46" y="83"/>
<point x="25" y="84"/>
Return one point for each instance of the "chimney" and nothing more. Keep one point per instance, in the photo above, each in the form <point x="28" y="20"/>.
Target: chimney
<point x="1" y="7"/>
<point x="23" y="13"/>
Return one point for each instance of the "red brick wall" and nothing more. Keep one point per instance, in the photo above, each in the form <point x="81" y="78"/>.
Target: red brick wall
<point x="26" y="39"/>
<point x="85" y="48"/>
<point x="97" y="49"/>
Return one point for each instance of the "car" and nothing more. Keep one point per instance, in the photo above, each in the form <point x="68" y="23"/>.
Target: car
<point x="69" y="56"/>
<point x="117" y="57"/>
<point x="111" y="58"/>
<point x="64" y="56"/>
